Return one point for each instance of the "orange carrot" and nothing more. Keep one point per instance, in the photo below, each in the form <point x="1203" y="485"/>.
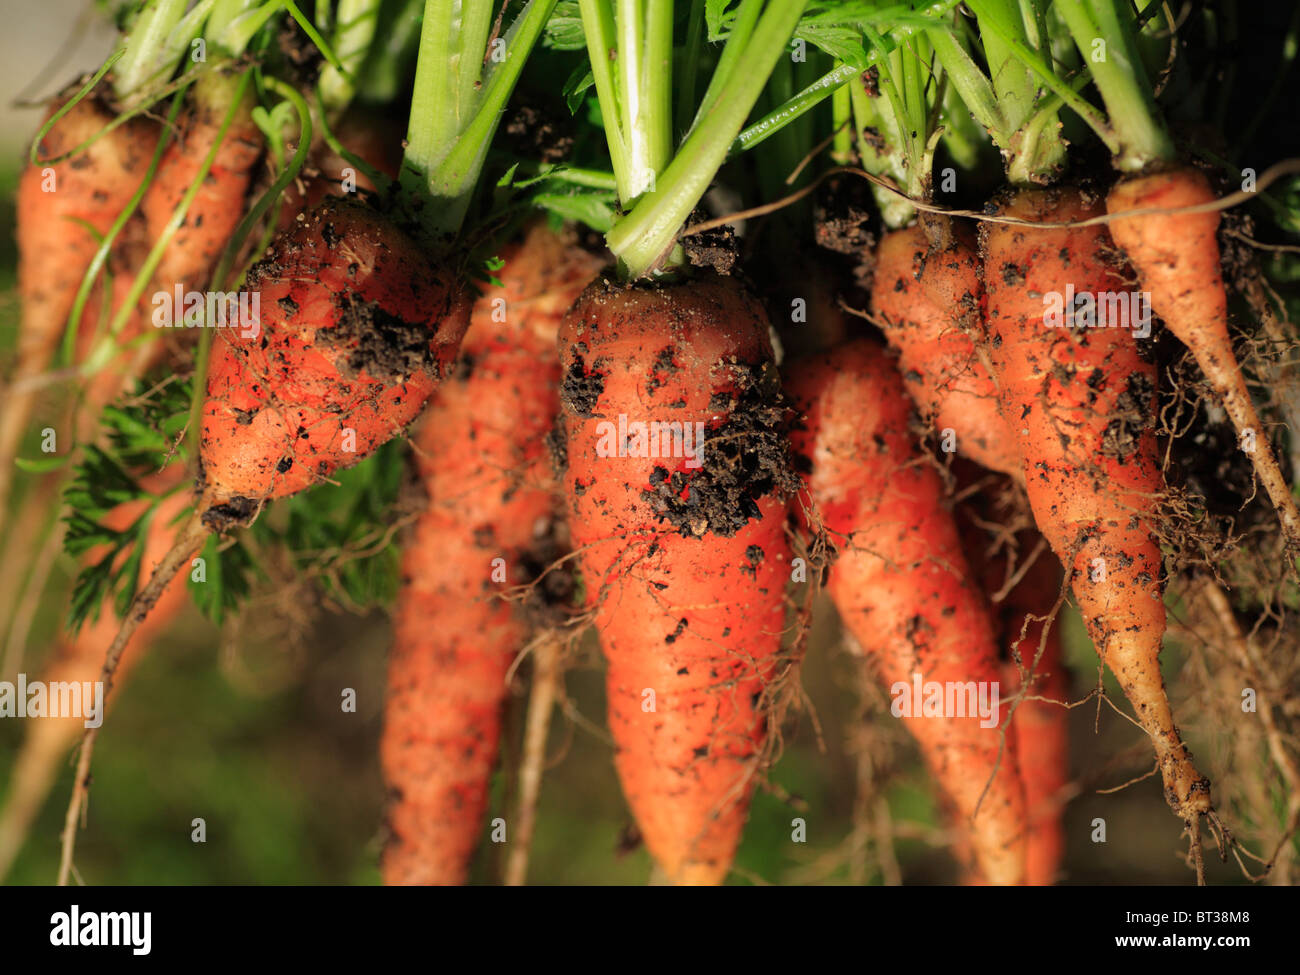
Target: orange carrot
<point x="1003" y="557"/>
<point x="79" y="659"/>
<point x="357" y="328"/>
<point x="482" y="457"/>
<point x="683" y="552"/>
<point x="1083" y="400"/>
<point x="928" y="303"/>
<point x="1040" y="725"/>
<point x="203" y="233"/>
<point x="902" y="586"/>
<point x="58" y="205"/>
<point x="1177" y="258"/>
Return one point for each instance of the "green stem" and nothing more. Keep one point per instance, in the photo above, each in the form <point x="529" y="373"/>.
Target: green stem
<point x="880" y="146"/>
<point x="434" y="106"/>
<point x="830" y="84"/>
<point x="451" y="181"/>
<point x="656" y="69"/>
<point x="646" y="235"/>
<point x="969" y="82"/>
<point x="354" y="33"/>
<point x="690" y="65"/>
<point x="147" y="44"/>
<point x="842" y="121"/>
<point x="598" y="24"/>
<point x="1011" y="33"/>
<point x="592" y="178"/>
<point x="961" y="132"/>
<point x="742" y="29"/>
<point x="1117" y="70"/>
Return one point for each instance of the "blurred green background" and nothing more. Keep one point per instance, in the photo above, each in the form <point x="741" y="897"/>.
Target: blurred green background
<point x="244" y="729"/>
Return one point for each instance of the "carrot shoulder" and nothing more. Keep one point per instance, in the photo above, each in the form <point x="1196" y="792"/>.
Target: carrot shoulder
<point x="357" y="329"/>
<point x="929" y="306"/>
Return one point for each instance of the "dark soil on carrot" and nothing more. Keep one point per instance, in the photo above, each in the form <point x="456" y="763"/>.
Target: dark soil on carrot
<point x="745" y="459"/>
<point x="716" y="249"/>
<point x="387" y="348"/>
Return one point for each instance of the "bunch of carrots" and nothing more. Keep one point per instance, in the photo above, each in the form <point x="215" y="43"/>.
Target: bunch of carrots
<point x="626" y="423"/>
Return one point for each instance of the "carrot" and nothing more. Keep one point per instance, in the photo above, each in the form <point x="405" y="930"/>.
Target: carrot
<point x="902" y="586"/>
<point x="1176" y="256"/>
<point x="78" y="660"/>
<point x="482" y="458"/>
<point x="357" y="328"/>
<point x="927" y="301"/>
<point x="1023" y="581"/>
<point x="58" y="205"/>
<point x="1040" y="724"/>
<point x="683" y="553"/>
<point x="357" y="322"/>
<point x="206" y="227"/>
<point x="1084" y="401"/>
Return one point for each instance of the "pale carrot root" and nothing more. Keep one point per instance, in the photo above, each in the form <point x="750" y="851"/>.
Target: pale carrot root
<point x="1177" y="258"/>
<point x="1042" y="746"/>
<point x="546" y="680"/>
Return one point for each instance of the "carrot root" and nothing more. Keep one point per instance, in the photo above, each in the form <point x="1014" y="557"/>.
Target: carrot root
<point x="1177" y="258"/>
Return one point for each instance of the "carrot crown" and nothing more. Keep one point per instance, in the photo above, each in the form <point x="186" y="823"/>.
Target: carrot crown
<point x="630" y="46"/>
<point x="465" y="73"/>
<point x="1019" y="99"/>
